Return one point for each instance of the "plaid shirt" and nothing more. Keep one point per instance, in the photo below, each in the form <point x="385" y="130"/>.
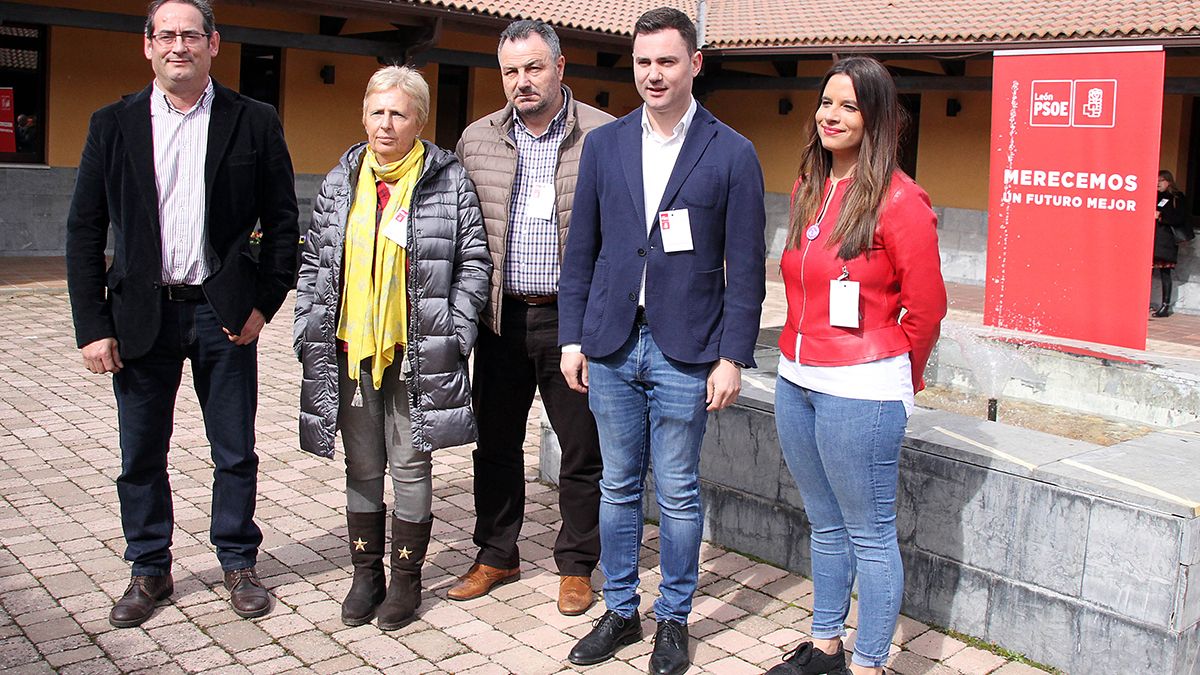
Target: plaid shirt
<point x="532" y="265"/>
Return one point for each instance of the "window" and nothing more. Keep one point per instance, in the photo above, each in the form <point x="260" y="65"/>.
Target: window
<point x="22" y="93"/>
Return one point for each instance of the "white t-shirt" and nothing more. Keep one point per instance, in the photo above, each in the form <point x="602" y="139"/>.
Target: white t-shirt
<point x="888" y="379"/>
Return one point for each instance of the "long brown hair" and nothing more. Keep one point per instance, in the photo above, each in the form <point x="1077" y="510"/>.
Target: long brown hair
<point x="883" y="120"/>
<point x="1170" y="178"/>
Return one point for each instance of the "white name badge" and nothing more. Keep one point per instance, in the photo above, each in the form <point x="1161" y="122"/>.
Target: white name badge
<point x="1163" y="202"/>
<point x="676" y="229"/>
<point x="843" y="303"/>
<point x="397" y="228"/>
<point x="540" y="204"/>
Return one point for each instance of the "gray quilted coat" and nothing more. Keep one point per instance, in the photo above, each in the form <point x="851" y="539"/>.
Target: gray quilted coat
<point x="448" y="270"/>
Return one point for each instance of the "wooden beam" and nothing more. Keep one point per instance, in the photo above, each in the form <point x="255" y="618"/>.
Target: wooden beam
<point x="479" y="60"/>
<point x="903" y="83"/>
<point x="126" y="23"/>
<point x="607" y="59"/>
<point x="954" y="68"/>
<point x="396" y="51"/>
<point x="332" y="25"/>
<point x="785" y="68"/>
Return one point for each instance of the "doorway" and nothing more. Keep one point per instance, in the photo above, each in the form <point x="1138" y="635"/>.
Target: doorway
<point x="452" y="89"/>
<point x="261" y="73"/>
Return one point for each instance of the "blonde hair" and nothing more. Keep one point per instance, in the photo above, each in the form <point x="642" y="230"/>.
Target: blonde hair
<point x="409" y="80"/>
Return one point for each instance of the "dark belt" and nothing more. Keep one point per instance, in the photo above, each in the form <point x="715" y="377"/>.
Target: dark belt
<point x="182" y="292"/>
<point x="533" y="300"/>
<point x="639" y="318"/>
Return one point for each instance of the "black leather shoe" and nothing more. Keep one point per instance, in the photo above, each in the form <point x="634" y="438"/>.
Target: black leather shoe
<point x="806" y="659"/>
<point x="608" y="633"/>
<point x="670" y="655"/>
<point x="1164" y="310"/>
<point x="138" y="603"/>
<point x="246" y="593"/>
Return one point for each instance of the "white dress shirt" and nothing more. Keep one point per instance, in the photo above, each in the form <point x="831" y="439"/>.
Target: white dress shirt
<point x="658" y="161"/>
<point x="180" y="148"/>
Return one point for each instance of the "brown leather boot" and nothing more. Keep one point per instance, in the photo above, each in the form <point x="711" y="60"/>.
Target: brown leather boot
<point x="409" y="543"/>
<point x="365" y="532"/>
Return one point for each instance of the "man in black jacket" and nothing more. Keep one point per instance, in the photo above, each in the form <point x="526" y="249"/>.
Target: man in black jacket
<point x="181" y="172"/>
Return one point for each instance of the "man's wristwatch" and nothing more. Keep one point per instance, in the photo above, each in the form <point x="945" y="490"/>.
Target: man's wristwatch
<point x="736" y="363"/>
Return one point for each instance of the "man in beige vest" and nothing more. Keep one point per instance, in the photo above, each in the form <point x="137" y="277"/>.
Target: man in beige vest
<point x="524" y="160"/>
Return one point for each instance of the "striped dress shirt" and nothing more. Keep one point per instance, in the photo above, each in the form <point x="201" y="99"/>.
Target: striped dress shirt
<point x="531" y="266"/>
<point x="180" y="147"/>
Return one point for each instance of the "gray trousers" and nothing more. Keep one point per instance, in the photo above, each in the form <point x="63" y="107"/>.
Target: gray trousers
<point x="377" y="435"/>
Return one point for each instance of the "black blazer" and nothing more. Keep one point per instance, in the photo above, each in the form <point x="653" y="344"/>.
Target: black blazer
<point x="248" y="178"/>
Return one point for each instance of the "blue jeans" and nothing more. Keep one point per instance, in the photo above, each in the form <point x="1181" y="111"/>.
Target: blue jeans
<point x="226" y="381"/>
<point x="649" y="408"/>
<point x="844" y="455"/>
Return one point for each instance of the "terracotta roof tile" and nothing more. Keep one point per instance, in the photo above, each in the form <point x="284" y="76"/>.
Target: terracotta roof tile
<point x="780" y="23"/>
<point x="750" y="23"/>
<point x="607" y="16"/>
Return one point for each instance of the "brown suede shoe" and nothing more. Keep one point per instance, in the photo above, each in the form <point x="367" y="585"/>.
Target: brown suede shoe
<point x="246" y="593"/>
<point x="480" y="579"/>
<point x="138" y="603"/>
<point x="575" y="595"/>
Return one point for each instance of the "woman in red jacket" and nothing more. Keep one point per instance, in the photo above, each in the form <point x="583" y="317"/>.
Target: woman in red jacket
<point x="865" y="303"/>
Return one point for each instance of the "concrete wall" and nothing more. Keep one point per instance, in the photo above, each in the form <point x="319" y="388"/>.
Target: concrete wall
<point x="962" y="238"/>
<point x="33" y="209"/>
<point x="35" y="203"/>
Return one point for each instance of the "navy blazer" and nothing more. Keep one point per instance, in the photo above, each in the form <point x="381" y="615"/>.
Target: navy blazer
<point x="702" y="304"/>
<point x="247" y="179"/>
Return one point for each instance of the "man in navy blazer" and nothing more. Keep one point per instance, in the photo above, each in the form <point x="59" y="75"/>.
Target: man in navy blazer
<point x="659" y="301"/>
<point x="180" y="173"/>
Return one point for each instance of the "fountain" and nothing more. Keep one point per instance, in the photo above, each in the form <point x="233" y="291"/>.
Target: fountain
<point x="989" y="366"/>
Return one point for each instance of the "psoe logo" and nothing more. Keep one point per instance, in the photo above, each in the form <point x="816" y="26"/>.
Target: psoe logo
<point x="1051" y="103"/>
<point x="1073" y="103"/>
<point x="1095" y="103"/>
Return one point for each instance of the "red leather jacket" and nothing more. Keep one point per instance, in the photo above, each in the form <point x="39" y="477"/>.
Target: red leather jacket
<point x="902" y="269"/>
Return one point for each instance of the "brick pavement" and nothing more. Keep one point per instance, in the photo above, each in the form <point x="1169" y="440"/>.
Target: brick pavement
<point x="61" y="545"/>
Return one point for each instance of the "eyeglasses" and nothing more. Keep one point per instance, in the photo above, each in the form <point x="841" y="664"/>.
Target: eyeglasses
<point x="191" y="38"/>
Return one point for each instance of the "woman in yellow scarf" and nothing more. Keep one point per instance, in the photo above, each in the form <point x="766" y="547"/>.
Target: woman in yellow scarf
<point x="392" y="277"/>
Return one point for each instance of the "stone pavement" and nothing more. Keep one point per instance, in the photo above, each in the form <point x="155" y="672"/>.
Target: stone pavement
<point x="61" y="546"/>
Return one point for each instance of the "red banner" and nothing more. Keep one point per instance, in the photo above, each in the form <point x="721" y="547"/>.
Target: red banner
<point x="1074" y="164"/>
<point x="8" y="133"/>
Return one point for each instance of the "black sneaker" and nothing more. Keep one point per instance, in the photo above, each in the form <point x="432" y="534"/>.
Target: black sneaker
<point x="806" y="659"/>
<point x="670" y="656"/>
<point x="608" y="633"/>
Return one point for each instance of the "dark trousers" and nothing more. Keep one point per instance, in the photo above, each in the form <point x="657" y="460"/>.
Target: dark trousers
<point x="226" y="380"/>
<point x="508" y="369"/>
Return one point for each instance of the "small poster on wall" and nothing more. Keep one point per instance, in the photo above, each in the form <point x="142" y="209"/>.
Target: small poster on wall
<point x="1074" y="158"/>
<point x="8" y="132"/>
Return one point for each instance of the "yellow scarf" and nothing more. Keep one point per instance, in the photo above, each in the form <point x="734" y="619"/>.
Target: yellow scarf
<point x="374" y="315"/>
